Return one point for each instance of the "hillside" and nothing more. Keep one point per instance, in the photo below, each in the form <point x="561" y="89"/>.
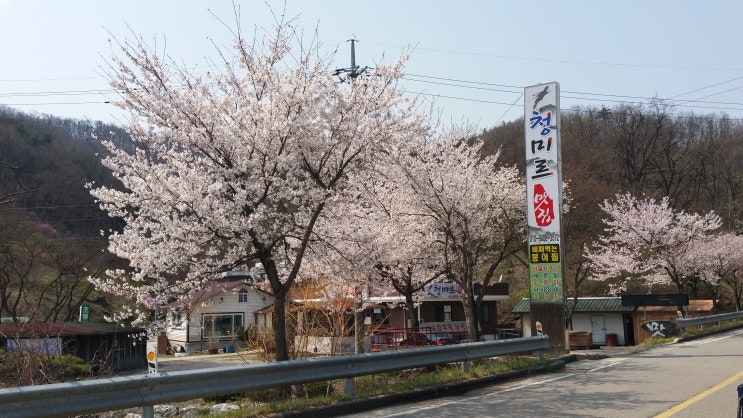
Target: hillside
<point x="50" y="232"/>
<point x="51" y="226"/>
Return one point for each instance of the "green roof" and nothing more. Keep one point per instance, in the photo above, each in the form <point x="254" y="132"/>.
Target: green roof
<point x="584" y="305"/>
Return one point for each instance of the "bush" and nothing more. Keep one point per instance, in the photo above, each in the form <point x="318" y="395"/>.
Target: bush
<point x="20" y="368"/>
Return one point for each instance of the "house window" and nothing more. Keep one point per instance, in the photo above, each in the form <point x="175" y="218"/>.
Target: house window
<point x="381" y="316"/>
<point x="443" y="313"/>
<point x="485" y="313"/>
<point x="224" y="324"/>
<point x="242" y="295"/>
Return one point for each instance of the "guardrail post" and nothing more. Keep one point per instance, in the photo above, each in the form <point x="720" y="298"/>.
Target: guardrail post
<point x="465" y="366"/>
<point x="349" y="386"/>
<point x="540" y="353"/>
<point x="148" y="411"/>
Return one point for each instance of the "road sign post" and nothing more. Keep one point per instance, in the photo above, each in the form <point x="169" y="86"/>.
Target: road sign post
<point x="151" y="358"/>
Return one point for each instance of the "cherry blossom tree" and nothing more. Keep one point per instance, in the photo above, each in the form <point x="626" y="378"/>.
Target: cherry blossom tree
<point x="719" y="260"/>
<point x="475" y="210"/>
<point x="373" y="242"/>
<point x="342" y="254"/>
<point x="238" y="163"/>
<point x="649" y="240"/>
<point x="406" y="255"/>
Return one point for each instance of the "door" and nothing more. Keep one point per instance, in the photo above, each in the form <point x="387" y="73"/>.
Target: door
<point x="598" y="329"/>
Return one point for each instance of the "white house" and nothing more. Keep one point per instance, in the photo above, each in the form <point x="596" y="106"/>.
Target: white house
<point x="601" y="316"/>
<point x="216" y="314"/>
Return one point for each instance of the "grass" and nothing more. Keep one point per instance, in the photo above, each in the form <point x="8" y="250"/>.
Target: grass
<point x="691" y="332"/>
<point x="710" y="328"/>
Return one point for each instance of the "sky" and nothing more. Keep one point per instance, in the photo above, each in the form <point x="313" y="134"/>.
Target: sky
<point x="473" y="57"/>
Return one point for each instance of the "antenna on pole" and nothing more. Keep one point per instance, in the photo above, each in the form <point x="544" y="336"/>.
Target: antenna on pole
<point x="354" y="71"/>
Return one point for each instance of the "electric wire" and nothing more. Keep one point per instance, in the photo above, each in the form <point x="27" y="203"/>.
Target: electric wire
<point x="697" y="103"/>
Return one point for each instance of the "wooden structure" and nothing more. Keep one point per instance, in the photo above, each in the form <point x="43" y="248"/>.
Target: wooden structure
<point x="104" y="345"/>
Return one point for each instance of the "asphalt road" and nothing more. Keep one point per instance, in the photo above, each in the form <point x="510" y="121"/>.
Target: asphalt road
<point x="696" y="378"/>
<point x="169" y="363"/>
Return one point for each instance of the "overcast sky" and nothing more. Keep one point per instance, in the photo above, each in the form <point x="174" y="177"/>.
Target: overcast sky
<point x="476" y="56"/>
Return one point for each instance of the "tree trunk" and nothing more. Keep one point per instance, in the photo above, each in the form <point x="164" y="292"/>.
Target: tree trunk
<point x="552" y="318"/>
<point x="279" y="326"/>
<point x="468" y="299"/>
<point x="358" y="323"/>
<point x="411" y="319"/>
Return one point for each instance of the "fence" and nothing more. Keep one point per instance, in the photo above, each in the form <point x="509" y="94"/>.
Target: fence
<point x="145" y="391"/>
<point x="710" y="319"/>
<point x="397" y="338"/>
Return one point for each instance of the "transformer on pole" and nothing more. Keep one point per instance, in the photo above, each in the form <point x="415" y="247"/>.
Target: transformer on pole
<point x="354" y="71"/>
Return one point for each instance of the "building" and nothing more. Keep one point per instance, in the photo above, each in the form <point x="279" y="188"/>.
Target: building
<point x="216" y="316"/>
<point x="104" y="345"/>
<point x="645" y="314"/>
<point x="599" y="316"/>
<point x="322" y="324"/>
<point x="608" y="322"/>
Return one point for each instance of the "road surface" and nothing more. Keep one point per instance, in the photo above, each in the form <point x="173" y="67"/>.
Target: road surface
<point x="691" y="379"/>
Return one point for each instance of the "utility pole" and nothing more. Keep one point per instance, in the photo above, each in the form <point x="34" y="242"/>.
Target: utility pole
<point x="354" y="71"/>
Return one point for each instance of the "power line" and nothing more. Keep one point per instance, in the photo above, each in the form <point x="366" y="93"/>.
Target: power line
<point x="563" y="61"/>
<point x="442" y="81"/>
<point x="570" y="110"/>
<point x="53" y="103"/>
<point x="59" y="93"/>
<point x="33" y="80"/>
<point x="707" y="87"/>
<point x="476" y="86"/>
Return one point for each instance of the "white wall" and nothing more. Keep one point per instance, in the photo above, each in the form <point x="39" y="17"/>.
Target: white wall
<point x="526" y="325"/>
<point x="582" y="322"/>
<point x="613" y="322"/>
<point x="227" y="302"/>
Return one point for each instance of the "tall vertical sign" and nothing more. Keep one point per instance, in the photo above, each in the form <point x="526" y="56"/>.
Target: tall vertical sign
<point x="544" y="191"/>
<point x="84" y="313"/>
<point x="544" y="207"/>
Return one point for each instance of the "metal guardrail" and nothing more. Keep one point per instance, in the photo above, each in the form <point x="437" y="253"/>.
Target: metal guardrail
<point x="710" y="319"/>
<point x="145" y="391"/>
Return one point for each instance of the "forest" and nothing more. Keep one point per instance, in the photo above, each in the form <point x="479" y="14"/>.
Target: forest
<point x="50" y="227"/>
<point x="53" y="235"/>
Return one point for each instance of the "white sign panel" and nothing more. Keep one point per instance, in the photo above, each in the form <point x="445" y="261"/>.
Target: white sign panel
<point x="151" y="358"/>
<point x="544" y="190"/>
<point x="443" y="290"/>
